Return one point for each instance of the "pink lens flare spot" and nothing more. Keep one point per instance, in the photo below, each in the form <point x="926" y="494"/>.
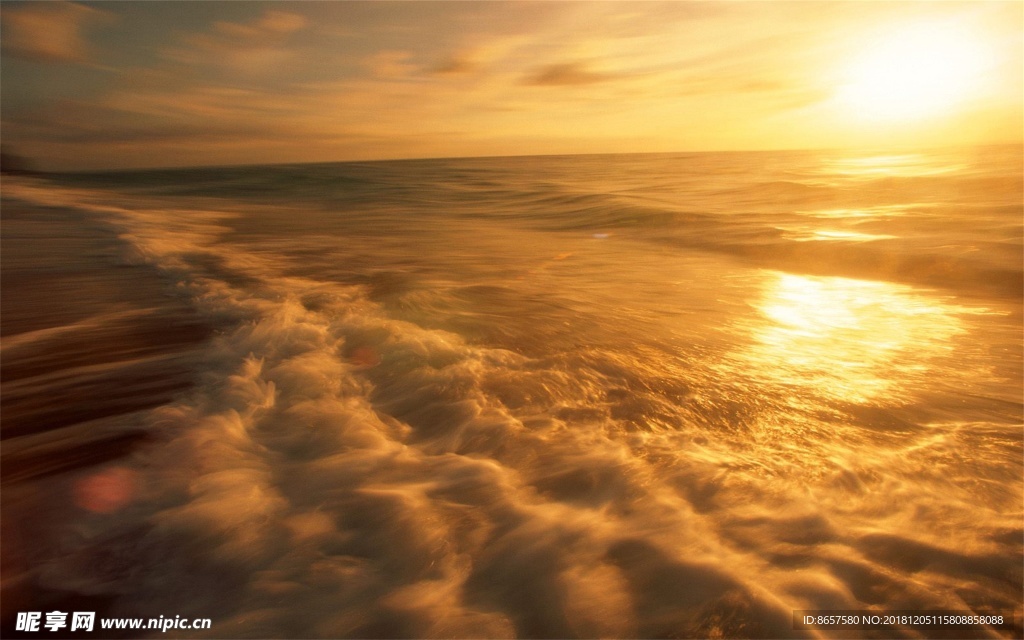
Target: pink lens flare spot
<point x="106" y="491"/>
<point x="364" y="357"/>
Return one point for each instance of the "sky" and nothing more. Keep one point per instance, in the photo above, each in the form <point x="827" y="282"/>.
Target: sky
<point x="155" y="84"/>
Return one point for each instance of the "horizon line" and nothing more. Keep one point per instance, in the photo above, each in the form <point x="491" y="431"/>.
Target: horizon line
<point x="865" y="148"/>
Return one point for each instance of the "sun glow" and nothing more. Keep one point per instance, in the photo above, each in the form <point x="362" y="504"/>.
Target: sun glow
<point x="915" y="72"/>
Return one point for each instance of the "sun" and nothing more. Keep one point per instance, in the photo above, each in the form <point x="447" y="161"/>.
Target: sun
<point x="912" y="73"/>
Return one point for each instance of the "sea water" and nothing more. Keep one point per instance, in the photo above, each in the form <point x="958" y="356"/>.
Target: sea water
<point x="639" y="395"/>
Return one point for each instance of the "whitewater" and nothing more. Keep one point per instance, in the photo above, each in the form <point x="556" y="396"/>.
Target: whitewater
<point x="640" y="395"/>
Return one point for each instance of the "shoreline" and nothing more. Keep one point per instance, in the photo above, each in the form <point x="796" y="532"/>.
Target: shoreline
<point x="89" y="345"/>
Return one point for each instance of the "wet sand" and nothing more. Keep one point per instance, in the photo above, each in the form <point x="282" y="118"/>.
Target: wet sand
<point x="87" y="344"/>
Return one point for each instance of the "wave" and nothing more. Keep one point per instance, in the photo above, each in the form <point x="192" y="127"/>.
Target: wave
<point x="884" y="259"/>
<point x="339" y="471"/>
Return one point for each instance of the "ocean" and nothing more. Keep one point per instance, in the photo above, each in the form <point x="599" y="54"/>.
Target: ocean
<point x="638" y="395"/>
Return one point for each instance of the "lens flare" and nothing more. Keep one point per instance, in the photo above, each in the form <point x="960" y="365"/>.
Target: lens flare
<point x="107" y="491"/>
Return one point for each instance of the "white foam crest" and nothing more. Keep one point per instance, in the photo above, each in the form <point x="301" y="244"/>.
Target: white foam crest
<point x="340" y="473"/>
<point x="230" y="484"/>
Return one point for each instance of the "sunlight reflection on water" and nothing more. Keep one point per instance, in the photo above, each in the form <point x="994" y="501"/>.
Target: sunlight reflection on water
<point x="848" y="340"/>
<point x="836" y="235"/>
<point x="881" y="211"/>
<point x="902" y="165"/>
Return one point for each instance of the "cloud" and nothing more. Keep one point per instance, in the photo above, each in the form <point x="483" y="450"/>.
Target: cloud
<point x="482" y="52"/>
<point x="257" y="47"/>
<point x="209" y="115"/>
<point x="51" y="32"/>
<point x="455" y="64"/>
<point x="359" y="80"/>
<point x="570" y="73"/>
<point x="390" y="64"/>
<point x="272" y="23"/>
